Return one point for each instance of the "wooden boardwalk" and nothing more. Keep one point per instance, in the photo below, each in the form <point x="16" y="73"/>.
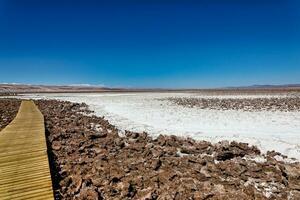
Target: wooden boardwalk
<point x="24" y="166"/>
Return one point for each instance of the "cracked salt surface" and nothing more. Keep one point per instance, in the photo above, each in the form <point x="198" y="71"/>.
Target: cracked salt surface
<point x="269" y="130"/>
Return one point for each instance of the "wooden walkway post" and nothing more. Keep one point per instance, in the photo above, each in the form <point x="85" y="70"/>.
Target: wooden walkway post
<point x="24" y="166"/>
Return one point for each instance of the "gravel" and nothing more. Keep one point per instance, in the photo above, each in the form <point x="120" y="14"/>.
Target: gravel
<point x="246" y="104"/>
<point x="8" y="110"/>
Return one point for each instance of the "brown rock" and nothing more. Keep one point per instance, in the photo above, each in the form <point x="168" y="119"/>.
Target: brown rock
<point x="56" y="145"/>
<point x="76" y="184"/>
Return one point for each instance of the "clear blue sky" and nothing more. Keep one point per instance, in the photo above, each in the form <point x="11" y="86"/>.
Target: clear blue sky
<point x="158" y="43"/>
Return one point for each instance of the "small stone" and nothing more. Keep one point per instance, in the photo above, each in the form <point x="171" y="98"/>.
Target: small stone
<point x="56" y="145"/>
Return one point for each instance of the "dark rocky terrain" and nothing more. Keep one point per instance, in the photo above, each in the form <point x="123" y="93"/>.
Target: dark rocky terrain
<point x="8" y="110"/>
<point x="90" y="160"/>
<point x="94" y="162"/>
<point x="245" y="104"/>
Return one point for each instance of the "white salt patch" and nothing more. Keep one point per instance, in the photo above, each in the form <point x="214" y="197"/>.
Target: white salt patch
<point x="96" y="127"/>
<point x="216" y="161"/>
<point x="268" y="189"/>
<point x="180" y="154"/>
<point x="269" y="130"/>
<point x="258" y="159"/>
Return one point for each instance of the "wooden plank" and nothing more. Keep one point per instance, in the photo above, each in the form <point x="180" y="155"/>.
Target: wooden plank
<point x="24" y="166"/>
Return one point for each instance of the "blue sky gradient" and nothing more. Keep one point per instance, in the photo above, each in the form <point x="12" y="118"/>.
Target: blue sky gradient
<point x="175" y="44"/>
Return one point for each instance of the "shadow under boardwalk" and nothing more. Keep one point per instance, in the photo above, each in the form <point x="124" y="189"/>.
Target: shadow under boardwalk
<point x="24" y="166"/>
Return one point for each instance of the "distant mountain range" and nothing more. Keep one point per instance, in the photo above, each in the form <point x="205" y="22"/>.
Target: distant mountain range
<point x="24" y="88"/>
<point x="80" y="88"/>
<point x="269" y="86"/>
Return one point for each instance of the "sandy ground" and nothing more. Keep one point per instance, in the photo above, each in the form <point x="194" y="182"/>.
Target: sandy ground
<point x="269" y="130"/>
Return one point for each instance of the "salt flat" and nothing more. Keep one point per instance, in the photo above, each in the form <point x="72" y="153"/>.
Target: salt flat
<point x="269" y="130"/>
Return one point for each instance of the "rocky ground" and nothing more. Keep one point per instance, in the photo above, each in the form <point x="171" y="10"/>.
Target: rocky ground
<point x="94" y="162"/>
<point x="90" y="160"/>
<point x="245" y="104"/>
<point x="8" y="111"/>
